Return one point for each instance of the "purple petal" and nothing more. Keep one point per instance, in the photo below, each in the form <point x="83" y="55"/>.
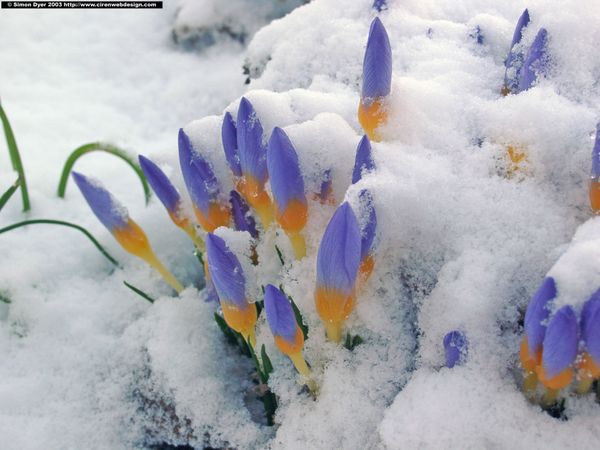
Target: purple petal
<point x="514" y="60"/>
<point x="229" y="138"/>
<point x="280" y="314"/>
<point x="326" y="186"/>
<point x="537" y="313"/>
<point x="377" y="64"/>
<point x="284" y="170"/>
<point x="242" y="219"/>
<point x="455" y="348"/>
<point x="590" y="325"/>
<point x="252" y="152"/>
<point x="536" y="61"/>
<point x="199" y="178"/>
<point x="339" y="252"/>
<point x="368" y="222"/>
<point x="477" y="35"/>
<point x="161" y="185"/>
<point x="106" y="208"/>
<point x="364" y="159"/>
<point x="596" y="154"/>
<point x="225" y="271"/>
<point x="561" y="341"/>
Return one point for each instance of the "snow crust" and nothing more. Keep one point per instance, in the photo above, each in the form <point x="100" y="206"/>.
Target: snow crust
<point x="460" y="245"/>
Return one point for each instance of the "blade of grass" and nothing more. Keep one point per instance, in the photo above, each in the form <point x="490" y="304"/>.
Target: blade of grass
<point x="9" y="192"/>
<point x="66" y="224"/>
<point x="100" y="147"/>
<point x="139" y="292"/>
<point x="15" y="158"/>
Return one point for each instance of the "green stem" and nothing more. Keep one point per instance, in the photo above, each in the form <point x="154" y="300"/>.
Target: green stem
<point x="139" y="292"/>
<point x="103" y="147"/>
<point x="9" y="192"/>
<point x="66" y="224"/>
<point x="15" y="158"/>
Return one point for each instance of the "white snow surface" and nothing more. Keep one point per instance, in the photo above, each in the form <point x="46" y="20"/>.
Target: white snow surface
<point x="88" y="364"/>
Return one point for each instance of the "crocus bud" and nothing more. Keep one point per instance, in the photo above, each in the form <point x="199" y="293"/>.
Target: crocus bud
<point x="559" y="349"/>
<point x="514" y="60"/>
<point x="253" y="162"/>
<point x="363" y="162"/>
<point x="202" y="186"/>
<point x="377" y="80"/>
<point x="242" y="219"/>
<point x="282" y="321"/>
<point x="589" y="366"/>
<point x="229" y="139"/>
<point x="287" y="185"/>
<point x="536" y="316"/>
<point x="115" y="218"/>
<point x="325" y="194"/>
<point x="594" y="189"/>
<point x="228" y="278"/>
<point x="455" y="348"/>
<point x="337" y="268"/>
<point x="536" y="61"/>
<point x="169" y="197"/>
<point x="368" y="227"/>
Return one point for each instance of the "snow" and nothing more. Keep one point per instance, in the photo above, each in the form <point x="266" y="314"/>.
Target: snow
<point x="460" y="244"/>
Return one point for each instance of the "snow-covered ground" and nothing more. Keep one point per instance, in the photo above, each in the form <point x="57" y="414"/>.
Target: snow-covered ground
<point x="87" y="363"/>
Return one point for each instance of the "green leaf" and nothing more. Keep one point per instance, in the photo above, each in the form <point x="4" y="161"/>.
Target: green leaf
<point x="280" y="255"/>
<point x="352" y="342"/>
<point x="267" y="365"/>
<point x="269" y="401"/>
<point x="139" y="292"/>
<point x="15" y="158"/>
<point x="102" y="147"/>
<point x="4" y="298"/>
<point x="65" y="224"/>
<point x="228" y="332"/>
<point x="8" y="194"/>
<point x="299" y="319"/>
<point x="263" y="377"/>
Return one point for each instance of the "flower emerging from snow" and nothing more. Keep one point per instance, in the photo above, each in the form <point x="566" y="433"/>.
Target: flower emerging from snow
<point x="228" y="278"/>
<point x="203" y="187"/>
<point x="337" y="268"/>
<point x="363" y="162"/>
<point x="594" y="188"/>
<point x="589" y="366"/>
<point x="377" y="80"/>
<point x="282" y="321"/>
<point x="287" y="185"/>
<point x="229" y="139"/>
<point x="253" y="162"/>
<point x="514" y="60"/>
<point x="116" y="219"/>
<point x="242" y="220"/>
<point x="455" y="348"/>
<point x="536" y="61"/>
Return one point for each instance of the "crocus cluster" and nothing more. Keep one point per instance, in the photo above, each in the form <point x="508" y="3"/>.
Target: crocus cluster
<point x="524" y="68"/>
<point x="560" y="345"/>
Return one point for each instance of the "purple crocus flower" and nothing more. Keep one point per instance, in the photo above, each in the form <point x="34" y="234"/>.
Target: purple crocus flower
<point x="242" y="220"/>
<point x="339" y="252"/>
<point x="369" y="223"/>
<point x="537" y="314"/>
<point x="590" y="326"/>
<point x="536" y="61"/>
<point x="280" y="314"/>
<point x="252" y="152"/>
<point x="107" y="209"/>
<point x="364" y="159"/>
<point x="596" y="154"/>
<point x="165" y="191"/>
<point x="377" y="64"/>
<point x="286" y="179"/>
<point x="225" y="272"/>
<point x="561" y="342"/>
<point x="514" y="60"/>
<point x="229" y="139"/>
<point x="325" y="194"/>
<point x="379" y="5"/>
<point x="455" y="348"/>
